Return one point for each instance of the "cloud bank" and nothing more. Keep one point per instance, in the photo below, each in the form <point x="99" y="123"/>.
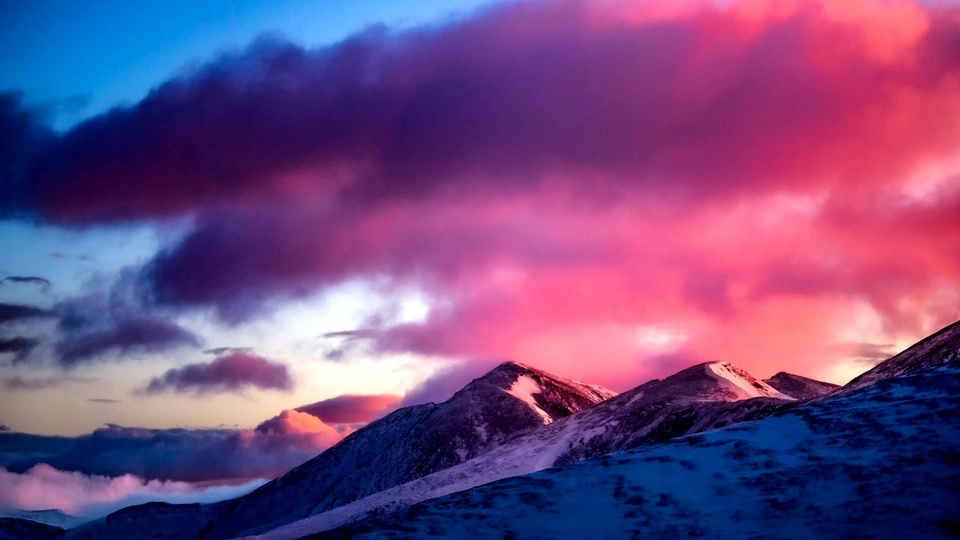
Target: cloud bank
<point x="194" y="455"/>
<point x="92" y="496"/>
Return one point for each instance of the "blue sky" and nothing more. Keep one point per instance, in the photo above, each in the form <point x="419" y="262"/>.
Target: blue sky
<point x="81" y="58"/>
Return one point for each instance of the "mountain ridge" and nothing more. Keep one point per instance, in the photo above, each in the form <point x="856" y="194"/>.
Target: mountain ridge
<point x="835" y="476"/>
<point x="404" y="445"/>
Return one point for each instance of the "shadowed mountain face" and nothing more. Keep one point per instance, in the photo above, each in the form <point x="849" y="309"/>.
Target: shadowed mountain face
<point x="799" y="387"/>
<point x="935" y="350"/>
<point x="403" y="446"/>
<point x="876" y="462"/>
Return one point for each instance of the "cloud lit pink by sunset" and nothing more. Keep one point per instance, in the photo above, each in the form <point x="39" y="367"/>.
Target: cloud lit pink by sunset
<point x="595" y="188"/>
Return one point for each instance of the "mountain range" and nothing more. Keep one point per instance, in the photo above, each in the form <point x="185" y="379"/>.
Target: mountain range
<point x="711" y="450"/>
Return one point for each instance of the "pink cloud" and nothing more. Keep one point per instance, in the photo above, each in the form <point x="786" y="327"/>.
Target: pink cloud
<point x="303" y="426"/>
<point x="92" y="496"/>
<point x="352" y="409"/>
<point x="599" y="189"/>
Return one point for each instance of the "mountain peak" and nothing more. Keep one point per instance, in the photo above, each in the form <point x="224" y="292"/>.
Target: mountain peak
<point x="549" y="396"/>
<point x="716" y="380"/>
<point x="744" y="384"/>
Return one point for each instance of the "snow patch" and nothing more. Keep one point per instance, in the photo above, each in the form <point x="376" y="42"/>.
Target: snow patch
<point x="748" y="386"/>
<point x="523" y="389"/>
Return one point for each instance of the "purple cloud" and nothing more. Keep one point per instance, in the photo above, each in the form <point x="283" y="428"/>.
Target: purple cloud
<point x="635" y="103"/>
<point x="137" y="334"/>
<point x="233" y="372"/>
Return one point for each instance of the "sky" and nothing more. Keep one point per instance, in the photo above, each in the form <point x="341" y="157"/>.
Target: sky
<point x="215" y="214"/>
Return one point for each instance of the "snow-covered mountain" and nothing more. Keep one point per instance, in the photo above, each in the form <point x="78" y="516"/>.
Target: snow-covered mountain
<point x="937" y="349"/>
<point x="876" y="462"/>
<point x="799" y="387"/>
<point x="403" y="446"/>
<point x="517" y="420"/>
<point x="698" y="398"/>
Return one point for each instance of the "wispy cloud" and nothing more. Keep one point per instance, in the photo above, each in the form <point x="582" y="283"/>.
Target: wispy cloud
<point x="39" y="383"/>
